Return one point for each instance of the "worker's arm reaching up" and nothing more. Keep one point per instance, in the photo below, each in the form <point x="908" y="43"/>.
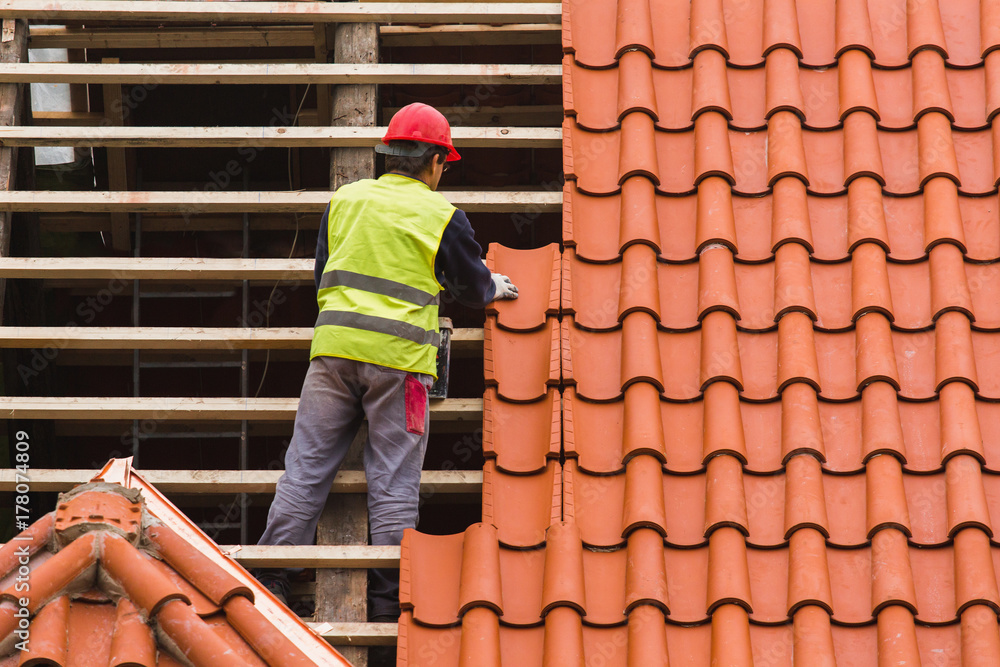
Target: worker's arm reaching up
<point x="458" y="265"/>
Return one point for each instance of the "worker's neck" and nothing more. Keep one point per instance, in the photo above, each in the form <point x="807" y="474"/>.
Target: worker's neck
<point x="424" y="177"/>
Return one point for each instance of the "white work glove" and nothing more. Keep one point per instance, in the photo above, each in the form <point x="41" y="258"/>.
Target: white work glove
<point x="505" y="289"/>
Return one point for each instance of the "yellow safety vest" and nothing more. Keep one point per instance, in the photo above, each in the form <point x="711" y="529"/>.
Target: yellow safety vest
<point x="378" y="297"/>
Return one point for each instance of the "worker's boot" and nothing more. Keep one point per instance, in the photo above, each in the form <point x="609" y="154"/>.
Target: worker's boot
<point x="275" y="581"/>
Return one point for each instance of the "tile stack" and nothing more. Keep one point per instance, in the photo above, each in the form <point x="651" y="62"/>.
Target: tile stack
<point x="780" y="360"/>
<point x="106" y="580"/>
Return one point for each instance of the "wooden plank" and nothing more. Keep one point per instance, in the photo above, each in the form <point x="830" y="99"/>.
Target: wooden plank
<point x="354" y="556"/>
<point x="114" y="117"/>
<point x="161" y="37"/>
<point x="346" y="634"/>
<point x="264" y="137"/>
<point x="158" y="268"/>
<point x="238" y="481"/>
<point x="188" y="408"/>
<point x="210" y="201"/>
<point x="463" y="340"/>
<point x="300" y="73"/>
<point x="60" y="118"/>
<point x="469" y="34"/>
<point x="56" y="11"/>
<point x="198" y="37"/>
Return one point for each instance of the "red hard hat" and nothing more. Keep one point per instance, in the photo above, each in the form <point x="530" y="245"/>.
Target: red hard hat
<point x="420" y="122"/>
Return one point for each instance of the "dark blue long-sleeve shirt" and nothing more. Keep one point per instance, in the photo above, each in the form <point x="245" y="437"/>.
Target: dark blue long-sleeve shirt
<point x="457" y="266"/>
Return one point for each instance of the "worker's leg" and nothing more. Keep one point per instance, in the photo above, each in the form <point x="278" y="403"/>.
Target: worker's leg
<point x="398" y="418"/>
<point x="326" y="422"/>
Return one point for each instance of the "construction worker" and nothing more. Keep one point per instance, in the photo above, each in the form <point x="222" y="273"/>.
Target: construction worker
<point x="386" y="248"/>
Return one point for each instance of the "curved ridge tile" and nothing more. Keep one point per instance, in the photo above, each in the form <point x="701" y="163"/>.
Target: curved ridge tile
<point x="639" y="148"/>
<point x="861" y="155"/>
<point x="563" y="639"/>
<point x="589" y="431"/>
<point x="857" y="84"/>
<point x="642" y="429"/>
<point x="521" y="365"/>
<point x="710" y="85"/>
<point x="48" y="642"/>
<point x="891" y="573"/>
<point x="897" y="638"/>
<point x="708" y="27"/>
<point x="521" y="506"/>
<point x="728" y="572"/>
<point x="588" y="32"/>
<point x="714" y="220"/>
<point x="974" y="571"/>
<point x="852" y="28"/>
<point x="979" y="636"/>
<point x="521" y="437"/>
<point x="930" y="86"/>
<point x="781" y="27"/>
<point x="639" y="359"/>
<point x="636" y="92"/>
<point x="876" y="359"/>
<point x="812" y="635"/>
<point x="537" y="267"/>
<point x="785" y="151"/>
<point x="937" y="150"/>
<point x="590" y="95"/>
<point x="966" y="496"/>
<point x="725" y="498"/>
<point x="731" y="637"/>
<point x="923" y="28"/>
<point x="712" y="153"/>
<point x="723" y="430"/>
<point x="796" y="352"/>
<point x="790" y="214"/>
<point x="592" y="293"/>
<point x="870" y="290"/>
<point x="991" y="70"/>
<point x="639" y="287"/>
<point x="942" y="214"/>
<point x="634" y="28"/>
<point x="720" y="351"/>
<point x="955" y="357"/>
<point x="866" y="220"/>
<point x="642" y="213"/>
<point x="808" y="573"/>
<point x="598" y="506"/>
<point x="960" y="430"/>
<point x="645" y="578"/>
<point x="881" y="429"/>
<point x="480" y="641"/>
<point x="643" y="506"/>
<point x="949" y="287"/>
<point x="564" y="581"/>
<point x="801" y="425"/>
<point x="717" y="282"/>
<point x="805" y="499"/>
<point x="886" y="502"/>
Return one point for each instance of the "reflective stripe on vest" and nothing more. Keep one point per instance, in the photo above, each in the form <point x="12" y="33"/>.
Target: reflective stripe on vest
<point x="383" y="286"/>
<point x="378" y="295"/>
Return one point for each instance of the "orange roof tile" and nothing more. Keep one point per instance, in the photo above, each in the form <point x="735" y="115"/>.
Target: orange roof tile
<point x="778" y="345"/>
<point x="117" y="575"/>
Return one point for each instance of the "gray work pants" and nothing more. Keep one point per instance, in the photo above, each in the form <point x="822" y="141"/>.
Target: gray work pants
<point x="336" y="395"/>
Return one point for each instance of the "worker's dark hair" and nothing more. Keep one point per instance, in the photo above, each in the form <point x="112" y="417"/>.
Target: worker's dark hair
<point x="413" y="166"/>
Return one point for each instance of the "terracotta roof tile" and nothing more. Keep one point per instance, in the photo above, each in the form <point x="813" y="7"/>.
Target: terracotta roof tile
<point x="785" y="442"/>
<point x="102" y="598"/>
